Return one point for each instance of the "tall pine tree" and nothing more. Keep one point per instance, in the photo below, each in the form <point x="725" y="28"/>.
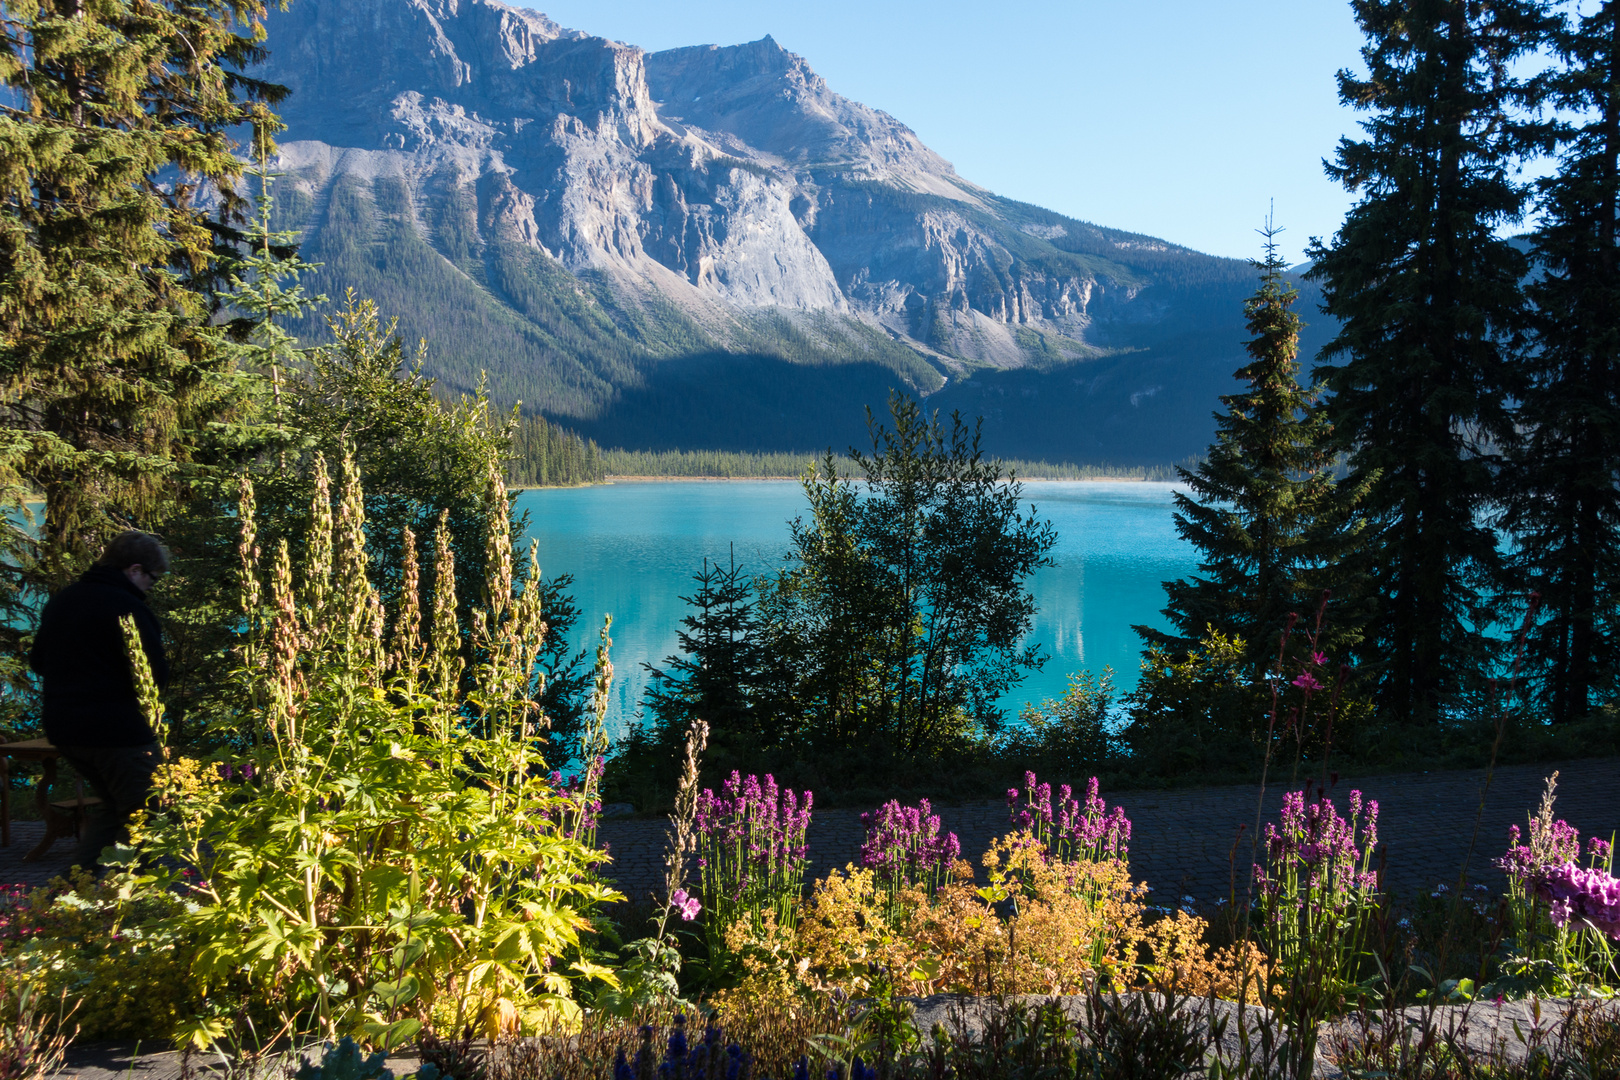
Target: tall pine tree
<point x="722" y="675"/>
<point x="1427" y="294"/>
<point x="1265" y="513"/>
<point x="1562" y="495"/>
<point x="120" y="111"/>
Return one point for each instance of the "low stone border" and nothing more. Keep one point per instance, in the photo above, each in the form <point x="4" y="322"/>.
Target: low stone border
<point x="1508" y="1028"/>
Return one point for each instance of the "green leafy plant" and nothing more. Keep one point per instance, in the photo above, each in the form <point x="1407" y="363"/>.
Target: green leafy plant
<point x="1204" y="711"/>
<point x="1070" y="734"/>
<point x="92" y="934"/>
<point x="389" y="850"/>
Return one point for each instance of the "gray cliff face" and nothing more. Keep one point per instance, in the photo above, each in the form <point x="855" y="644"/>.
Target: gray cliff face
<point x="713" y="178"/>
<point x="760" y="101"/>
<point x="715" y="201"/>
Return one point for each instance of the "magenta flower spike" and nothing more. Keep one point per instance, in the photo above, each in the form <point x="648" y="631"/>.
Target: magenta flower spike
<point x="1070" y="830"/>
<point x="904" y="846"/>
<point x="752" y="850"/>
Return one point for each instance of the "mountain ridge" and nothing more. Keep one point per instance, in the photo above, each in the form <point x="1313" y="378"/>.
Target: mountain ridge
<point x="708" y="246"/>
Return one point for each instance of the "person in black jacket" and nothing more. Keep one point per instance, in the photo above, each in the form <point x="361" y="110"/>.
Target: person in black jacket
<point x="91" y="711"/>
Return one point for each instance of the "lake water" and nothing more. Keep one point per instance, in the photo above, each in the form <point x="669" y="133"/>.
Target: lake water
<point x="633" y="547"/>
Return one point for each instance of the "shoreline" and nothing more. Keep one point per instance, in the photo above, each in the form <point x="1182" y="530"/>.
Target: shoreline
<point x="629" y="479"/>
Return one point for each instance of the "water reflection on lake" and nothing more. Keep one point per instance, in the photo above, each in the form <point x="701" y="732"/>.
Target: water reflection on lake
<point x="633" y="548"/>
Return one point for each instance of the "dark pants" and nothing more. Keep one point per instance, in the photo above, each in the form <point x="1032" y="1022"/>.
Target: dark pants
<point x="121" y="776"/>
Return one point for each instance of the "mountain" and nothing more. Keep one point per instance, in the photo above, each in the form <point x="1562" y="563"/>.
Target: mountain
<point x="708" y="247"/>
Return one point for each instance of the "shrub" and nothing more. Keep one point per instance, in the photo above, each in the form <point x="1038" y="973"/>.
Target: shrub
<point x="1204" y="712"/>
<point x="1060" y="913"/>
<point x="1181" y="962"/>
<point x="388" y="849"/>
<point x="1070" y="734"/>
<point x="122" y="964"/>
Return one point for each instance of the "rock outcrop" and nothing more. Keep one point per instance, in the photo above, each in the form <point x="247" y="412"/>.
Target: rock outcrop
<point x="705" y="201"/>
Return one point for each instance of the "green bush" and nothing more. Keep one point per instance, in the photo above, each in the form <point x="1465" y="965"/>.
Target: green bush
<point x="1200" y="714"/>
<point x="1069" y="735"/>
<point x="388" y="852"/>
<point x="120" y="965"/>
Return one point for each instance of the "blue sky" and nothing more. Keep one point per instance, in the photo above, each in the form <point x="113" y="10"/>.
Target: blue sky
<point x="1182" y="119"/>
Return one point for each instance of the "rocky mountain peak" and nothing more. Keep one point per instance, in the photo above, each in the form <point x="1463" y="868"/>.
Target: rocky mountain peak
<point x="373" y="72"/>
<point x="581" y="218"/>
<point x="771" y="101"/>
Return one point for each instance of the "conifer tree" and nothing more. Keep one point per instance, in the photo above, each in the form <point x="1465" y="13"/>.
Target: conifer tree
<point x="107" y="362"/>
<point x="1562" y="497"/>
<point x="256" y="288"/>
<point x="1265" y="514"/>
<point x="1427" y="294"/>
<point x="721" y="675"/>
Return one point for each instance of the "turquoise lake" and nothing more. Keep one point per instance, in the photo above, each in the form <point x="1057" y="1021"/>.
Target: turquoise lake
<point x="633" y="547"/>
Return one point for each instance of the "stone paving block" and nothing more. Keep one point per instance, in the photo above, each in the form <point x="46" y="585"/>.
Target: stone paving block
<point x="1184" y="842"/>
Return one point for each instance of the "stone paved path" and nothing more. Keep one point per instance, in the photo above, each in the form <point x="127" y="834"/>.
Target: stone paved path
<point x="1181" y="840"/>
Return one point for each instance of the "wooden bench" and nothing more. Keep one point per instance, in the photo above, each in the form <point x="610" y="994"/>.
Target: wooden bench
<point x="75" y="808"/>
<point x="63" y="818"/>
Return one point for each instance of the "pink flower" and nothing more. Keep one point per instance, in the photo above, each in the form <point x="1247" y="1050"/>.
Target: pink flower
<point x="1582" y="896"/>
<point x="1307" y="681"/>
<point x="686" y="904"/>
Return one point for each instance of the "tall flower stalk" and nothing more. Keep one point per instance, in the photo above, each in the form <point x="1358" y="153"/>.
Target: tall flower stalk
<point x="904" y="847"/>
<point x="752" y="852"/>
<point x="395" y="854"/>
<point x="1070" y="830"/>
<point x="1318" y="895"/>
<point x="1565" y="918"/>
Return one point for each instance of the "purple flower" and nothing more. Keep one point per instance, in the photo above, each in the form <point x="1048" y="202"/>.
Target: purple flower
<point x="1317" y="858"/>
<point x="1589" y="897"/>
<point x="904" y="845"/>
<point x="1550" y="844"/>
<point x="1307" y="681"/>
<point x="1071" y="829"/>
<point x="686" y="904"/>
<point x="751" y="845"/>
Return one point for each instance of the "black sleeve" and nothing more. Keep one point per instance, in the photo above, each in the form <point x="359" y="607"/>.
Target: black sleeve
<point x="39" y="655"/>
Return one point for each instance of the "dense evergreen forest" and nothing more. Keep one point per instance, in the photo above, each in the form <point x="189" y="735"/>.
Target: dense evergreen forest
<point x="548" y="455"/>
<point x="545" y="455"/>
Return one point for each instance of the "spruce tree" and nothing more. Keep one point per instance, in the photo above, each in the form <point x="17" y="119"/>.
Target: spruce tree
<point x="1265" y="514"/>
<point x="120" y="112"/>
<point x="1427" y="295"/>
<point x="255" y="289"/>
<point x="1561" y="500"/>
<point x="721" y="676"/>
